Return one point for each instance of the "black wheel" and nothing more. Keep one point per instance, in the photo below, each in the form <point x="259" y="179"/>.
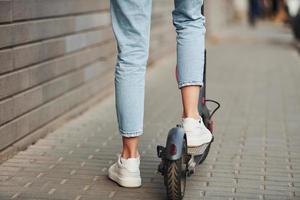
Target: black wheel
<point x="175" y="176"/>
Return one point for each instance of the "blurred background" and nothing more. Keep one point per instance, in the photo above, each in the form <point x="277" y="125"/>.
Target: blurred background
<point x="251" y="12"/>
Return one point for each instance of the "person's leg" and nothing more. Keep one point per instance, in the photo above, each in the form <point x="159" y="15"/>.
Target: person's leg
<point x="130" y="147"/>
<point x="189" y="23"/>
<point x="190" y="99"/>
<point x="131" y="26"/>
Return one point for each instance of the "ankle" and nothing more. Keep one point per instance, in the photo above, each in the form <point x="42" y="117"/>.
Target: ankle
<point x="191" y="115"/>
<point x="126" y="154"/>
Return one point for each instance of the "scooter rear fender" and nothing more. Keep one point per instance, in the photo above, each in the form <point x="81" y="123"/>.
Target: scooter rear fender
<point x="174" y="143"/>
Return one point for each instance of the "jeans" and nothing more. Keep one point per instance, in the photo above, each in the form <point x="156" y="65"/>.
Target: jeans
<point x="131" y="26"/>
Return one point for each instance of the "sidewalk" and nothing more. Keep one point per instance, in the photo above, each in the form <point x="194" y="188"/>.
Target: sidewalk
<point x="255" y="154"/>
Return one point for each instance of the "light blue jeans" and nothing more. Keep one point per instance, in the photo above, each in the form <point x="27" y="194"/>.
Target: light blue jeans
<point x="131" y="26"/>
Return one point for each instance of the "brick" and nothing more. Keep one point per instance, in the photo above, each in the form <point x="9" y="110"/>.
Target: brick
<point x="13" y="82"/>
<point x="6" y="110"/>
<point x="27" y="100"/>
<point x="32" y="9"/>
<point x="6" y="60"/>
<point x="6" y="35"/>
<point x="83" y="22"/>
<point x="5" y="11"/>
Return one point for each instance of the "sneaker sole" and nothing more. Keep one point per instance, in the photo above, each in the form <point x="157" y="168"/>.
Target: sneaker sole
<point x="198" y="150"/>
<point x="128" y="182"/>
<point x="195" y="144"/>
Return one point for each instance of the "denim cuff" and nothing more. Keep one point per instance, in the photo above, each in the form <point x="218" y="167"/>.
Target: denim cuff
<point x="188" y="83"/>
<point x="130" y="134"/>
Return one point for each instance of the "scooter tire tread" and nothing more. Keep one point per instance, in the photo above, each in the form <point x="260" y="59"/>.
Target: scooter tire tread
<point x="173" y="178"/>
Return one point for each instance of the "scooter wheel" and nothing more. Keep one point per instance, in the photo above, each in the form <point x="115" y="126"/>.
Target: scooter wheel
<point x="175" y="180"/>
<point x="175" y="176"/>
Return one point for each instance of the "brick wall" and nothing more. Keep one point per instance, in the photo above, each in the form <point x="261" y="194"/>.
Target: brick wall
<point x="56" y="59"/>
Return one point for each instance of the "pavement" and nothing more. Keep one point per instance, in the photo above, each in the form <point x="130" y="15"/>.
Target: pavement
<point x="254" y="74"/>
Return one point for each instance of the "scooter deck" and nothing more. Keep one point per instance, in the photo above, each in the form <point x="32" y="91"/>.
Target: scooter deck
<point x="197" y="150"/>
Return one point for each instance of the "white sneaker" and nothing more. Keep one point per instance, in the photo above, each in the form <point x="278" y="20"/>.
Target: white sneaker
<point x="196" y="132"/>
<point x="126" y="172"/>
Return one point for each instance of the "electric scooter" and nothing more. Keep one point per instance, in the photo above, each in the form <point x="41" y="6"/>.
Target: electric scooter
<point x="177" y="160"/>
